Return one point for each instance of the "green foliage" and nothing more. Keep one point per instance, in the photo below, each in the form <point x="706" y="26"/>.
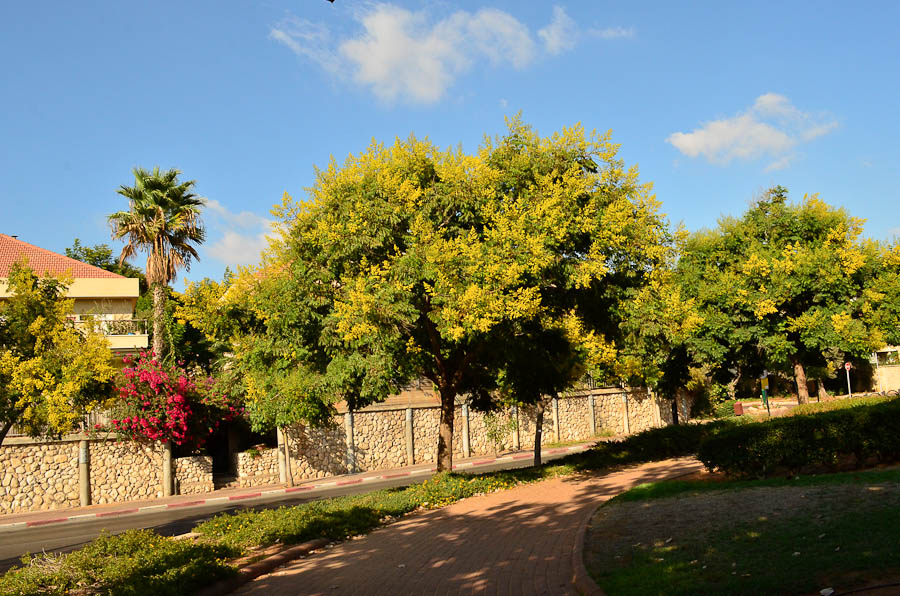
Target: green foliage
<point x="649" y="445"/>
<point x="411" y="261"/>
<point x="101" y="255"/>
<point x="163" y="220"/>
<point x="135" y="563"/>
<point x="781" y="286"/>
<point x="724" y="409"/>
<point x="50" y="372"/>
<point x="837" y="404"/>
<point x="801" y="442"/>
<point x="497" y="429"/>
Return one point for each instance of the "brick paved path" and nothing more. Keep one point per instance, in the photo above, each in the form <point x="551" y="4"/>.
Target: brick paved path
<point x="515" y="542"/>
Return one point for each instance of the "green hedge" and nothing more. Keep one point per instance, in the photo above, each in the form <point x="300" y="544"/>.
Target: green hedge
<point x="649" y="445"/>
<point x="797" y="443"/>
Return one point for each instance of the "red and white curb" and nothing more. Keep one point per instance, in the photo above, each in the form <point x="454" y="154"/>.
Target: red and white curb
<point x="337" y="482"/>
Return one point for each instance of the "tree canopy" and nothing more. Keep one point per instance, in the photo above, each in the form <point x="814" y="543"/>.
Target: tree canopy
<point x="162" y="220"/>
<point x="780" y="288"/>
<point x="50" y="373"/>
<point x="412" y="261"/>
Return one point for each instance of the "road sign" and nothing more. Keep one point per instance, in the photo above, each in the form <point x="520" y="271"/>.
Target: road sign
<point x="765" y="383"/>
<point x="847" y="365"/>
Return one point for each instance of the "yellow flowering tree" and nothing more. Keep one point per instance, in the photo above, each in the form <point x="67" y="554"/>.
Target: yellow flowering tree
<point x="781" y="288"/>
<point x="413" y="261"/>
<point x="50" y="373"/>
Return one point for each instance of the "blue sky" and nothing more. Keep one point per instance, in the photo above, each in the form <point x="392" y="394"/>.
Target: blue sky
<point x="714" y="101"/>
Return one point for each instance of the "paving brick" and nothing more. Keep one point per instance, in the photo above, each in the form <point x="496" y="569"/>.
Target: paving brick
<point x="518" y="541"/>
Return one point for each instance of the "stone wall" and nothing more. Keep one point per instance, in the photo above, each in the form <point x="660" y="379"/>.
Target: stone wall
<point x="256" y="468"/>
<point x="38" y="476"/>
<point x="124" y="471"/>
<point x="35" y="475"/>
<point x="194" y="475"/>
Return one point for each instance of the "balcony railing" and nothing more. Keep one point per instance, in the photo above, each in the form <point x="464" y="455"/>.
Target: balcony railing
<point x="114" y="326"/>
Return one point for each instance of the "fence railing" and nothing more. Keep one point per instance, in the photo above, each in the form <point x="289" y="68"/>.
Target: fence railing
<point x="114" y="326"/>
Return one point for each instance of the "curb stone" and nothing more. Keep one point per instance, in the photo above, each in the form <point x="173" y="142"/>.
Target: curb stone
<point x="262" y="567"/>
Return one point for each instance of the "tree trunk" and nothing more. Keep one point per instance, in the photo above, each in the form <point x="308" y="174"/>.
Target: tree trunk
<point x="802" y="389"/>
<point x="821" y="388"/>
<point x="159" y="319"/>
<point x="445" y="431"/>
<point x="732" y="385"/>
<point x="538" y="430"/>
<point x="5" y="431"/>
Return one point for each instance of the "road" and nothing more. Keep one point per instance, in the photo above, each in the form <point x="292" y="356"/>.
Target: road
<point x="14" y="542"/>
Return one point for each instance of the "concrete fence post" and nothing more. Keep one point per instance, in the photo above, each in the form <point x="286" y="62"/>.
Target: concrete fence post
<point x="348" y="430"/>
<point x="654" y="400"/>
<point x="515" y="437"/>
<point x="625" y="412"/>
<point x="410" y="445"/>
<point x="84" y="473"/>
<point x="556" y="419"/>
<point x="467" y="446"/>
<point x="167" y="476"/>
<point x="282" y="458"/>
<point x="591" y="416"/>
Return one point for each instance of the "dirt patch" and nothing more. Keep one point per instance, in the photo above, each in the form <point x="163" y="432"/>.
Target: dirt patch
<point x="624" y="531"/>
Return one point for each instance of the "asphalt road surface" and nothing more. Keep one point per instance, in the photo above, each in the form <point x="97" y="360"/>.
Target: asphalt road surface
<point x="65" y="537"/>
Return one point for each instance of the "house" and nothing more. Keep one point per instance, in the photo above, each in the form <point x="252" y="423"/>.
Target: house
<point x="99" y="295"/>
<point x="887" y="368"/>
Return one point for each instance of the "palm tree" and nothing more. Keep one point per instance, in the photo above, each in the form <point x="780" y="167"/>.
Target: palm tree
<point x="163" y="220"/>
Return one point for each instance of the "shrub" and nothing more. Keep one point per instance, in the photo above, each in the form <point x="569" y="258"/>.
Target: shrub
<point x="838" y="404"/>
<point x="166" y="403"/>
<point x="725" y="409"/>
<point x="799" y="442"/>
<point x="649" y="445"/>
<point x="135" y="563"/>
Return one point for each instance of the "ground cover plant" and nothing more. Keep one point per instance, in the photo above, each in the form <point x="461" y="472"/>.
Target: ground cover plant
<point x="135" y="563"/>
<point x="774" y="536"/>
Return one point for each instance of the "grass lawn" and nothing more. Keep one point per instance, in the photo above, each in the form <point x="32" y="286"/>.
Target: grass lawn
<point x="775" y="536"/>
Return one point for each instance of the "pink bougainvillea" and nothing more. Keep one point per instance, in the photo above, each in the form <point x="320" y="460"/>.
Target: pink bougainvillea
<point x="167" y="404"/>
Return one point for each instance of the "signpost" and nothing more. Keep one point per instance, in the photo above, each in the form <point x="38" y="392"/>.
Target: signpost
<point x="764" y="383"/>
<point x="847" y="367"/>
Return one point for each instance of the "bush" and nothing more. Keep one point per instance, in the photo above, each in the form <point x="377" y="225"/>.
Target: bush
<point x="135" y="563"/>
<point x="725" y="409"/>
<point x="838" y="404"/>
<point x="649" y="445"/>
<point x="800" y="442"/>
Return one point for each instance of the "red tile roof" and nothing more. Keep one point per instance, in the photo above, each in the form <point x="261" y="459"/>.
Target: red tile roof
<point x="44" y="261"/>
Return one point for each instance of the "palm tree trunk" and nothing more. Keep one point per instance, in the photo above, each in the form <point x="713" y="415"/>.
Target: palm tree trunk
<point x="159" y="319"/>
<point x="802" y="389"/>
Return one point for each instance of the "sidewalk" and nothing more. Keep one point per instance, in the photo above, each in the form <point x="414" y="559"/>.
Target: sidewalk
<point x="522" y="541"/>
<point x="76" y="514"/>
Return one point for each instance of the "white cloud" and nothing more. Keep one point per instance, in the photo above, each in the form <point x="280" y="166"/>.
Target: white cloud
<point x="561" y="34"/>
<point x="613" y="33"/>
<point x="408" y="55"/>
<point x="243" y="235"/>
<point x="771" y="128"/>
